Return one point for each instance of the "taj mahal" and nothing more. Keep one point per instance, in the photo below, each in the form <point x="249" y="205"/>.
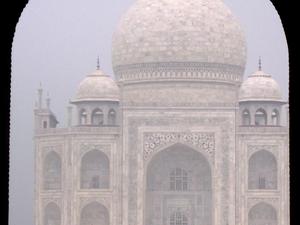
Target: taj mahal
<point x="178" y="138"/>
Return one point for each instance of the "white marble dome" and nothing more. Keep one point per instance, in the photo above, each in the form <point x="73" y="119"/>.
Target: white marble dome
<point x="97" y="87"/>
<point x="260" y="87"/>
<point x="168" y="31"/>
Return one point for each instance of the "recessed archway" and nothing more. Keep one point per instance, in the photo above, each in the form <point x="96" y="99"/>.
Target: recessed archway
<point x="52" y="171"/>
<point x="94" y="173"/>
<point x="246" y="119"/>
<point x="260" y="117"/>
<point x="262" y="214"/>
<point x="52" y="215"/>
<point x="178" y="180"/>
<point x="262" y="170"/>
<point x="94" y="214"/>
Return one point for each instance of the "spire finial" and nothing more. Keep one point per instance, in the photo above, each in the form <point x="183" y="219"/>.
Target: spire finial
<point x="40" y="96"/>
<point x="259" y="63"/>
<point x="98" y="63"/>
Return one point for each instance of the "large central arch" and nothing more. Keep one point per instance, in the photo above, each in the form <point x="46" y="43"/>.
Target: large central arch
<point x="178" y="182"/>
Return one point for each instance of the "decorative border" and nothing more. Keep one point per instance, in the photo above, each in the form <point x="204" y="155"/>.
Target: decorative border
<point x="253" y="201"/>
<point x="47" y="200"/>
<point x="86" y="147"/>
<point x="153" y="141"/>
<point x="55" y="148"/>
<point x="251" y="149"/>
<point x="105" y="201"/>
<point x="179" y="70"/>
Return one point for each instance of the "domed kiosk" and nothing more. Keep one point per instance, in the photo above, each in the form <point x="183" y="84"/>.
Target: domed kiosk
<point x="97" y="100"/>
<point x="260" y="100"/>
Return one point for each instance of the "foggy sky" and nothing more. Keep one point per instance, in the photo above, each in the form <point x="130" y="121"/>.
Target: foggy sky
<point x="57" y="43"/>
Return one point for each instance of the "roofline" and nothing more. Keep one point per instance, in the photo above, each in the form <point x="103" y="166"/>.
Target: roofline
<point x="94" y="100"/>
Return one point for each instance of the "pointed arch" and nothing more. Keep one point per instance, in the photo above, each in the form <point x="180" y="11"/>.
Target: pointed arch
<point x="262" y="171"/>
<point x="52" y="171"/>
<point x="94" y="172"/>
<point x="97" y="117"/>
<point x="261" y="214"/>
<point x="260" y="117"/>
<point x="52" y="214"/>
<point x="178" y="174"/>
<point x="275" y="118"/>
<point x="246" y="118"/>
<point x="83" y="117"/>
<point x="112" y="116"/>
<point x="94" y="214"/>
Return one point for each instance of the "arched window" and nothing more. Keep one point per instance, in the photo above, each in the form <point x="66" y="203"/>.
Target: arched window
<point x="262" y="214"/>
<point x="97" y="117"/>
<point x="52" y="171"/>
<point x="83" y="117"/>
<point x="94" y="170"/>
<point x="178" y="218"/>
<point x="246" y="117"/>
<point x="262" y="172"/>
<point x="275" y="118"/>
<point x="52" y="215"/>
<point x="178" y="180"/>
<point x="112" y="117"/>
<point x="94" y="214"/>
<point x="261" y="117"/>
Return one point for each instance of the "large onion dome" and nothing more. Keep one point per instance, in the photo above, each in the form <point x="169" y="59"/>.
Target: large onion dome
<point x="195" y="39"/>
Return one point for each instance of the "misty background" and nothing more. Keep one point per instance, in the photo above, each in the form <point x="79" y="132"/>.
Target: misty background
<point x="56" y="44"/>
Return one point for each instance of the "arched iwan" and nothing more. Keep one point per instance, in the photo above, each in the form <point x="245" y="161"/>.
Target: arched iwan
<point x="178" y="182"/>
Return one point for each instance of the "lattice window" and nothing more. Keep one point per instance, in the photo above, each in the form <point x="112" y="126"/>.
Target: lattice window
<point x="178" y="180"/>
<point x="178" y="218"/>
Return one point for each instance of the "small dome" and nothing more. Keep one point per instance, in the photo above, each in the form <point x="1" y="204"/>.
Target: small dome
<point x="97" y="87"/>
<point x="260" y="87"/>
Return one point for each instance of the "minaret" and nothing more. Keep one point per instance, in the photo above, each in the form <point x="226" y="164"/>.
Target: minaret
<point x="44" y="117"/>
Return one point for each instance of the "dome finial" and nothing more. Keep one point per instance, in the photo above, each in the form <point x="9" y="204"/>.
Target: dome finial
<point x="98" y="63"/>
<point x="259" y="63"/>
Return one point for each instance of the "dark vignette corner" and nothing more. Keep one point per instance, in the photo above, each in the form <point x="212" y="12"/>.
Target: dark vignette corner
<point x="10" y="13"/>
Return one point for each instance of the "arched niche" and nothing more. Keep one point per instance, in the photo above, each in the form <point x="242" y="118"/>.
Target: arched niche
<point x="262" y="214"/>
<point x="262" y="170"/>
<point x="52" y="214"/>
<point x="97" y="117"/>
<point x="83" y="117"/>
<point x="94" y="171"/>
<point x="246" y="119"/>
<point x="94" y="214"/>
<point x="178" y="179"/>
<point x="52" y="171"/>
<point x="260" y="117"/>
<point x="275" y="118"/>
<point x="112" y="116"/>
